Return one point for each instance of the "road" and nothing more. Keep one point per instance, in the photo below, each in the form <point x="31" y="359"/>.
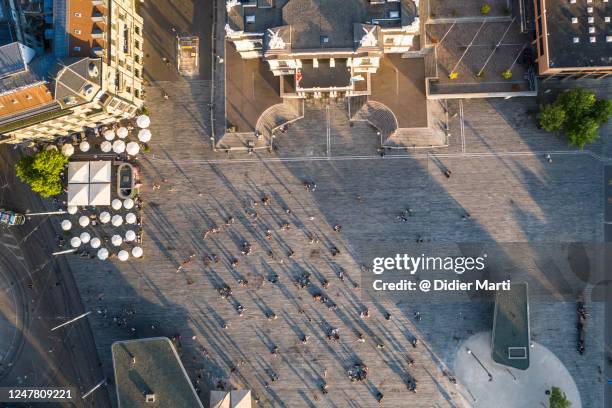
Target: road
<point x="46" y="295"/>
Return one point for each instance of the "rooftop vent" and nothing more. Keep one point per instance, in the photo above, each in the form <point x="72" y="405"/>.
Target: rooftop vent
<point x="150" y="397"/>
<point x="250" y="19"/>
<point x="324" y="39"/>
<point x="92" y="70"/>
<point x="88" y="89"/>
<point x="70" y="100"/>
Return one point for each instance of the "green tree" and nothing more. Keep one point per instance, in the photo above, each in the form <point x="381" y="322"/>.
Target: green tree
<point x="552" y="117"/>
<point x="42" y="172"/>
<point x="485" y="9"/>
<point x="578" y="114"/>
<point x="558" y="399"/>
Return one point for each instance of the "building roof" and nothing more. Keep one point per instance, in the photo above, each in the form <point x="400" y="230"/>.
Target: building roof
<point x="85" y="26"/>
<point x="14" y="58"/>
<point x="151" y="367"/>
<point x="78" y="82"/>
<point x="561" y="31"/>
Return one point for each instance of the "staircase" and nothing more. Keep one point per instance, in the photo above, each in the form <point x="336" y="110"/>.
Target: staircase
<point x="277" y="115"/>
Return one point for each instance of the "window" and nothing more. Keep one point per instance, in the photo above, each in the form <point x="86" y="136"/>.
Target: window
<point x="77" y="14"/>
<point x="137" y="93"/>
<point x="137" y="30"/>
<point x="137" y="44"/>
<point x="250" y="19"/>
<point x="77" y="32"/>
<point x="77" y="48"/>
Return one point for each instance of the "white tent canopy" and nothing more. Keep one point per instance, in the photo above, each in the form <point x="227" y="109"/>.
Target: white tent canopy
<point x="122" y="132"/>
<point x="83" y="220"/>
<point x="116" y="240"/>
<point x="78" y="172"/>
<point x="66" y="225"/>
<point x="240" y="398"/>
<point x="137" y="252"/>
<point x="130" y="218"/>
<point x="104" y="217"/>
<point x="95" y="242"/>
<point x="118" y="146"/>
<point x="85" y="237"/>
<point x="130" y="235"/>
<point x="99" y="194"/>
<point x="102" y="253"/>
<point x="109" y="134"/>
<point x="144" y="135"/>
<point x="117" y="220"/>
<point x="67" y="150"/>
<point x="84" y="146"/>
<point x="100" y="171"/>
<point x="75" y="242"/>
<point x="78" y="194"/>
<point x="123" y="255"/>
<point x="143" y="121"/>
<point x="132" y="148"/>
<point x="106" y="146"/>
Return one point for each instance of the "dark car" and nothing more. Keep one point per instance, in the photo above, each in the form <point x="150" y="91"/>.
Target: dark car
<point x="9" y="217"/>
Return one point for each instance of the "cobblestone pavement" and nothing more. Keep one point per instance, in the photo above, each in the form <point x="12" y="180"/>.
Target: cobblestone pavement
<point x="511" y="193"/>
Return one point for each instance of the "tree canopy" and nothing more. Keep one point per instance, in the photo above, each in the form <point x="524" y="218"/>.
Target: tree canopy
<point x="558" y="399"/>
<point x="578" y="114"/>
<point x="42" y="172"/>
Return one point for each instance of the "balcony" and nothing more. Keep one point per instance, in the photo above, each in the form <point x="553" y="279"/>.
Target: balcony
<point x="98" y="17"/>
<point x="98" y="2"/>
<point x="98" y="32"/>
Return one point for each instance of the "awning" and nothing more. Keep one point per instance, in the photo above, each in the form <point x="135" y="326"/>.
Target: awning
<point x="99" y="194"/>
<point x="100" y="172"/>
<point x="220" y="399"/>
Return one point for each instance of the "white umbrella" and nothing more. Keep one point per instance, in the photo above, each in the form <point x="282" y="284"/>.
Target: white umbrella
<point x="116" y="240"/>
<point x="143" y="121"/>
<point x="95" y="242"/>
<point x="144" y="135"/>
<point x="117" y="220"/>
<point x="132" y="148"/>
<point x="137" y="252"/>
<point x="84" y="221"/>
<point x="116" y="204"/>
<point x="130" y="218"/>
<point x="118" y="146"/>
<point x="67" y="150"/>
<point x="84" y="146"/>
<point x="102" y="253"/>
<point x="104" y="217"/>
<point x="106" y="146"/>
<point x="130" y="235"/>
<point x="109" y="134"/>
<point x="66" y="225"/>
<point x="122" y="132"/>
<point x="75" y="242"/>
<point x="123" y="255"/>
<point x="85" y="237"/>
<point x="72" y="209"/>
<point x="128" y="203"/>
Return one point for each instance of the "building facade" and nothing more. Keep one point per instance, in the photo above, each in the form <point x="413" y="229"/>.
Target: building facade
<point x="93" y="77"/>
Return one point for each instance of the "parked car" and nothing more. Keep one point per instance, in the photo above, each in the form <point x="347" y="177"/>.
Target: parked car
<point x="9" y="217"/>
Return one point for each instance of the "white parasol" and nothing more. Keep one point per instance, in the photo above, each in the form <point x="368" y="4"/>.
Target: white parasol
<point x="118" y="146"/>
<point x="104" y="217"/>
<point x="116" y="240"/>
<point x="143" y="121"/>
<point x="130" y="218"/>
<point x="102" y="253"/>
<point x="66" y="225"/>
<point x="83" y="221"/>
<point x="72" y="209"/>
<point x="85" y="237"/>
<point x="109" y="134"/>
<point x="132" y="148"/>
<point x="137" y="252"/>
<point x="123" y="255"/>
<point x="116" y="204"/>
<point x="144" y="135"/>
<point x="84" y="146"/>
<point x="75" y="242"/>
<point x="117" y="220"/>
<point x="95" y="242"/>
<point x="106" y="146"/>
<point x="122" y="132"/>
<point x="130" y="235"/>
<point x="67" y="150"/>
<point x="128" y="203"/>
